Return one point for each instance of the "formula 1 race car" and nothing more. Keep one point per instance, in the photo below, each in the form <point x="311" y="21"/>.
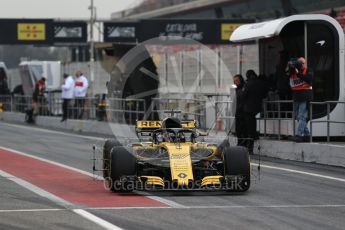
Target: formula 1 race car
<point x="173" y="159"/>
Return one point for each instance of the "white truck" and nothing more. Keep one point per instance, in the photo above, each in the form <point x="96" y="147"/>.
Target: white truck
<point x="32" y="71"/>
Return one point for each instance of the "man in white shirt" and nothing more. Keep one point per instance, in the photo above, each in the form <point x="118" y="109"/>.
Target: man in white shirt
<point x="67" y="94"/>
<point x="80" y="90"/>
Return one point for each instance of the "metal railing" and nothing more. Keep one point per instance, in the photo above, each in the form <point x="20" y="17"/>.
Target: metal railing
<point x="272" y="110"/>
<point x="280" y="115"/>
<point x="121" y="110"/>
<point x="94" y="108"/>
<point x="328" y="121"/>
<point x="6" y="102"/>
<point x="224" y="115"/>
<point x="118" y="110"/>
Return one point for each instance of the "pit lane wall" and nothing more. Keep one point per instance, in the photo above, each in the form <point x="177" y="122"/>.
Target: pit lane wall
<point x="79" y="126"/>
<point x="321" y="153"/>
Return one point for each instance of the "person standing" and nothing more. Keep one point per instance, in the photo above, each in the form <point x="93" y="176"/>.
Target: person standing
<point x="240" y="123"/>
<point x="67" y="95"/>
<point x="80" y="90"/>
<point x="301" y="85"/>
<point x="253" y="94"/>
<point x="4" y="90"/>
<point x="38" y="95"/>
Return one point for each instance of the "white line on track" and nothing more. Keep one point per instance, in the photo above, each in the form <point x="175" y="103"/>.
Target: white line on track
<point x="231" y="207"/>
<point x="300" y="172"/>
<point x="270" y="206"/>
<point x="32" y="210"/>
<point x="95" y="219"/>
<point x="59" y="201"/>
<point x="170" y="203"/>
<point x="283" y="206"/>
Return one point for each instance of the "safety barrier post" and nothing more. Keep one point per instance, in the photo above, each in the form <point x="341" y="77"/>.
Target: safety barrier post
<point x="145" y="109"/>
<point x="293" y="119"/>
<point x="311" y="122"/>
<point x="279" y="121"/>
<point x="328" y="121"/>
<point x="265" y="117"/>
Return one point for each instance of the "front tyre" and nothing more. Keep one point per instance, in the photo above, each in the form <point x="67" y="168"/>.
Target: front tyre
<point x="107" y="147"/>
<point x="236" y="168"/>
<point x="122" y="167"/>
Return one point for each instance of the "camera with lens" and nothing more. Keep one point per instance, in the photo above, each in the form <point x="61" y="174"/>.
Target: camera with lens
<point x="294" y="64"/>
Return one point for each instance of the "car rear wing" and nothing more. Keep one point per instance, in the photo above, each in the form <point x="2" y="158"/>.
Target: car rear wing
<point x="144" y="129"/>
<point x="153" y="125"/>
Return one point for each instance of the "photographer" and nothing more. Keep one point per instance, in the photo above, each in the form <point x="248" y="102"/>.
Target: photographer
<point x="301" y="85"/>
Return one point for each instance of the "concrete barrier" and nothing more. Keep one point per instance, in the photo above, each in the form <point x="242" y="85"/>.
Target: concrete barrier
<point x="321" y="153"/>
<point x="81" y="126"/>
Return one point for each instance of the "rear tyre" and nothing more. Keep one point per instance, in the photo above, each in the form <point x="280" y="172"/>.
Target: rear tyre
<point x="108" y="146"/>
<point x="237" y="168"/>
<point x="122" y="167"/>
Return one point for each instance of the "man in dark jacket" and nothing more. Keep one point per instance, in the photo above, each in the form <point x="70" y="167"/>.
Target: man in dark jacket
<point x="254" y="92"/>
<point x="4" y="90"/>
<point x="240" y="123"/>
<point x="302" y="94"/>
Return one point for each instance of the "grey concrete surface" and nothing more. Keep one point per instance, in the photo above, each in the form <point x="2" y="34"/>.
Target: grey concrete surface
<point x="23" y="209"/>
<point x="15" y="197"/>
<point x="280" y="199"/>
<point x="227" y="218"/>
<point x="54" y="220"/>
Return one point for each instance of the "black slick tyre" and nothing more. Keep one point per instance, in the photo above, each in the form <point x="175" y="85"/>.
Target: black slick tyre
<point x="122" y="168"/>
<point x="107" y="147"/>
<point x="237" y="168"/>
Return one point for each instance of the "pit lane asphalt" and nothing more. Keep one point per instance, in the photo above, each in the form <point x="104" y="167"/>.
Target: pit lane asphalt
<point x="279" y="200"/>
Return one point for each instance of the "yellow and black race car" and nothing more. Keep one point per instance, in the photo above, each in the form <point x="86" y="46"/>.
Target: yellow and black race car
<point x="173" y="159"/>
